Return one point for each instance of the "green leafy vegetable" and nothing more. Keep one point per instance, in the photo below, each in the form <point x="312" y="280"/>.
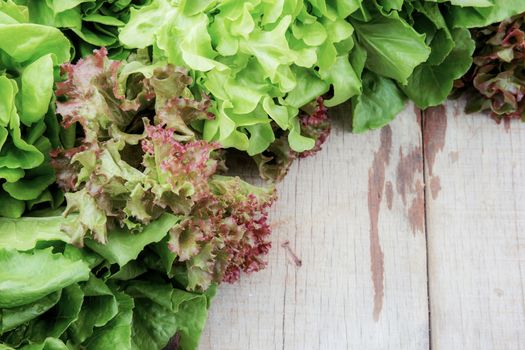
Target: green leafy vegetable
<point x="124" y="246"/>
<point x="27" y="277"/>
<point x="393" y="47"/>
<point x="150" y="225"/>
<point x="379" y="103"/>
<point x="89" y="24"/>
<point x="61" y="294"/>
<point x="29" y="55"/>
<point x="259" y="61"/>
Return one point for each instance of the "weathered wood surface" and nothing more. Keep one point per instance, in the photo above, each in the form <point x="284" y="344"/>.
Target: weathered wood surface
<point x="358" y="215"/>
<point x="476" y="231"/>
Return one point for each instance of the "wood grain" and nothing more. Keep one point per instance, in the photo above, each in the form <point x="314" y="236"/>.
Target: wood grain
<point x="353" y="215"/>
<point x="476" y="230"/>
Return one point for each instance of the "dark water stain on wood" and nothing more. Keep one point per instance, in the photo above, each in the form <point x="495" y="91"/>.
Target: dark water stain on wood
<point x="389" y="192"/>
<point x="376" y="184"/>
<point x="435" y="186"/>
<point x="435" y="130"/>
<point x="407" y="168"/>
<point x="416" y="212"/>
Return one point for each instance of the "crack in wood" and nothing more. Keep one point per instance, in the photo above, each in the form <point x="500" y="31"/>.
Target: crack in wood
<point x="424" y="135"/>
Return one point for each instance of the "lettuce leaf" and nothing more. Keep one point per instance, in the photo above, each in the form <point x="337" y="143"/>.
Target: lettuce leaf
<point x="473" y="15"/>
<point x="393" y="47"/>
<point x="20" y="284"/>
<point x="61" y="292"/>
<point x="172" y="310"/>
<point x="123" y="246"/>
<point x="16" y="316"/>
<point x="379" y="103"/>
<point x="430" y="85"/>
<point x="24" y="233"/>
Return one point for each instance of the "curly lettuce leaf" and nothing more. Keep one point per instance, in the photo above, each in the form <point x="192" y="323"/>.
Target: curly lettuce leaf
<point x="29" y="56"/>
<point x="89" y="24"/>
<point x="494" y="82"/>
<point x="260" y="61"/>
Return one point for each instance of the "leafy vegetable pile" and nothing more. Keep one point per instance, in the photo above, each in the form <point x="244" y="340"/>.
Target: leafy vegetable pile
<point x="132" y="167"/>
<point x="55" y="296"/>
<point x="261" y="62"/>
<point x="255" y="58"/>
<point x="496" y="82"/>
<point x="145" y="202"/>
<point x="118" y="219"/>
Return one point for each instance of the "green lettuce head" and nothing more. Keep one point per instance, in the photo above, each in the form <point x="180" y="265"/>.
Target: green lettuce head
<point x="260" y="61"/>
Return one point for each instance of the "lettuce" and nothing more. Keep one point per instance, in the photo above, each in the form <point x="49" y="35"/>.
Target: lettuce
<point x="21" y="286"/>
<point x="260" y="61"/>
<point x="480" y="13"/>
<point x="495" y="82"/>
<point x="151" y="225"/>
<point x="443" y="27"/>
<point x="89" y="24"/>
<point x="29" y="57"/>
<point x="427" y="80"/>
<point x="53" y="293"/>
<point x="140" y="165"/>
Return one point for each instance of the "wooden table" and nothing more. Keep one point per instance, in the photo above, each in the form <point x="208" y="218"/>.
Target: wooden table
<point x="411" y="237"/>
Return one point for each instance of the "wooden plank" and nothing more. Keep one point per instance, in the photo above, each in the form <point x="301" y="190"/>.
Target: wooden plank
<point x="354" y="214"/>
<point x="476" y="230"/>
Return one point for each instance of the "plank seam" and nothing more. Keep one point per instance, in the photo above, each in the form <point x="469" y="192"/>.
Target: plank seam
<point x="425" y="201"/>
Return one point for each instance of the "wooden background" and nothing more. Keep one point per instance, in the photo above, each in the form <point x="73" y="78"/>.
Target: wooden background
<point x="410" y="237"/>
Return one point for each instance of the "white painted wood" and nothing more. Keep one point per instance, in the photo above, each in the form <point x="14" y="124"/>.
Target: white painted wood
<point x="328" y="302"/>
<point x="476" y="235"/>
